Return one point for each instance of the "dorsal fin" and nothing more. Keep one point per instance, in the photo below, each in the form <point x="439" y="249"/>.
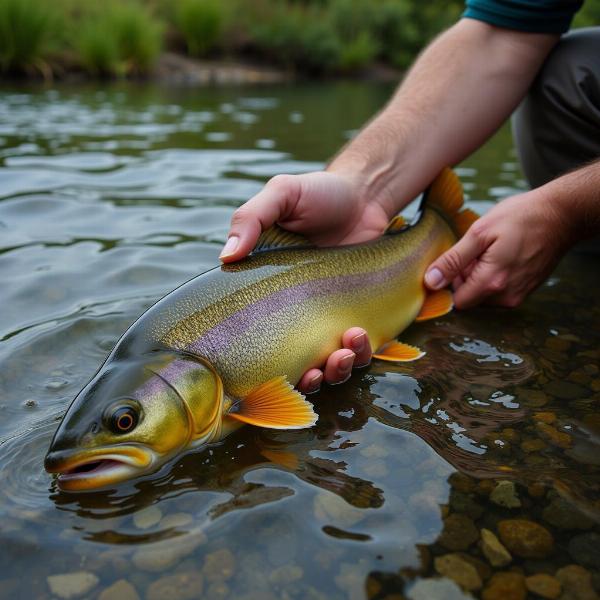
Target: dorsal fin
<point x="446" y="195"/>
<point x="277" y="237"/>
<point x="445" y="192"/>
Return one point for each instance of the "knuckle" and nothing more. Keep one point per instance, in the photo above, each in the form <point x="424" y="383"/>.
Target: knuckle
<point x="478" y="229"/>
<point x="240" y="215"/>
<point x="497" y="284"/>
<point x="281" y="181"/>
<point x="451" y="262"/>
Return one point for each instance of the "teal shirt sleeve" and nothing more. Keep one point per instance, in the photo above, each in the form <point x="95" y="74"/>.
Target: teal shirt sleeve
<point x="541" y="16"/>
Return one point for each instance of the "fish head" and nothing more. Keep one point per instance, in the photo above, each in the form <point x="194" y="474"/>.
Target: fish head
<point x="132" y="417"/>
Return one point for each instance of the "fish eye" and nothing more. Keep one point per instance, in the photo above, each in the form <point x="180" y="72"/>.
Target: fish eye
<point x="123" y="419"/>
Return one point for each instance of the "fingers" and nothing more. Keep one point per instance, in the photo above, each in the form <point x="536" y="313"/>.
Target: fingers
<point x="356" y="352"/>
<point x="338" y="367"/>
<point x="270" y="205"/>
<point x="311" y="381"/>
<point x="356" y="339"/>
<point x="453" y="262"/>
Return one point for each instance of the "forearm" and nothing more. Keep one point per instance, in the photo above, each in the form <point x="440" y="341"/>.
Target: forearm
<point x="459" y="91"/>
<point x="575" y="198"/>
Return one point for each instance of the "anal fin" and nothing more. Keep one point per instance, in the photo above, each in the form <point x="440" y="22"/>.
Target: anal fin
<point x="277" y="405"/>
<point x="436" y="304"/>
<point x="398" y="352"/>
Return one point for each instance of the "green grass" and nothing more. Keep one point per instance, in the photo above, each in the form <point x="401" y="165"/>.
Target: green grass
<point x="26" y="28"/>
<point x="120" y="39"/>
<point x="125" y="37"/>
<point x="201" y="23"/>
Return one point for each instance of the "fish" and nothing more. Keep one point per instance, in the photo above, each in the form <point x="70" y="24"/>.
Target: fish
<point x="226" y="348"/>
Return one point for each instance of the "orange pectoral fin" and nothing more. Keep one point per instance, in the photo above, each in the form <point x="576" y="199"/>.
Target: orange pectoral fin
<point x="399" y="352"/>
<point x="436" y="304"/>
<point x="277" y="405"/>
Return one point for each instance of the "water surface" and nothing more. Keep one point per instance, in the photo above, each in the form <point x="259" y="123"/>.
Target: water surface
<point x="110" y="198"/>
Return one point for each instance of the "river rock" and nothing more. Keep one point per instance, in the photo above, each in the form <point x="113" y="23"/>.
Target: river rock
<point x="72" y="585"/>
<point x="286" y="574"/>
<point x="331" y="508"/>
<point x="576" y="583"/>
<point x="436" y="589"/>
<point x="459" y="570"/>
<point x="505" y="494"/>
<point x="163" y="555"/>
<point x="120" y="590"/>
<point x="494" y="551"/>
<point x="564" y="515"/>
<point x="505" y="586"/>
<point x="526" y="538"/>
<point x="585" y="550"/>
<point x="147" y="517"/>
<point x="219" y="565"/>
<point x="181" y="586"/>
<point x="532" y="445"/>
<point x="179" y="519"/>
<point x="543" y="585"/>
<point x="559" y="438"/>
<point x="459" y="532"/>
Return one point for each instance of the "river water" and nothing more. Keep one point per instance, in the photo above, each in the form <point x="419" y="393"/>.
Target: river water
<point x="110" y="197"/>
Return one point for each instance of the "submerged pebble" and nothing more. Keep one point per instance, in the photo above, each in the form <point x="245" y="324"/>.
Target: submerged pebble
<point x="563" y="515"/>
<point x="585" y="549"/>
<point x="72" y="585"/>
<point x="181" y="586"/>
<point x="120" y="590"/>
<point x="494" y="551"/>
<point x="505" y="494"/>
<point x="147" y="517"/>
<point x="526" y="538"/>
<point x="576" y="583"/>
<point x="505" y="586"/>
<point x="459" y="570"/>
<point x="543" y="585"/>
<point x="219" y="565"/>
<point x="459" y="532"/>
<point x="436" y="589"/>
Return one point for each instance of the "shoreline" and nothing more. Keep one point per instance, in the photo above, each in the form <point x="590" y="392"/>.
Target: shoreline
<point x="181" y="70"/>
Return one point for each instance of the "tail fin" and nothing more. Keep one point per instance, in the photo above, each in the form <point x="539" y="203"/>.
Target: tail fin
<point x="446" y="194"/>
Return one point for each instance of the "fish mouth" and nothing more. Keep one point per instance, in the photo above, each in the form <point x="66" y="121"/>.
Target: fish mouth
<point x="91" y="470"/>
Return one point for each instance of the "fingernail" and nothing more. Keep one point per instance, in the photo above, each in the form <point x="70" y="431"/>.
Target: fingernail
<point x="314" y="384"/>
<point x="346" y="362"/>
<point x="434" y="278"/>
<point x="358" y="342"/>
<point x="230" y="246"/>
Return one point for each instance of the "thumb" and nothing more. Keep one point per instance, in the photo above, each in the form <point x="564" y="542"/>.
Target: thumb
<point x="453" y="262"/>
<point x="276" y="200"/>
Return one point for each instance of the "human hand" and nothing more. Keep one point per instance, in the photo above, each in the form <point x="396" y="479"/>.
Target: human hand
<point x="330" y="209"/>
<point x="505" y="254"/>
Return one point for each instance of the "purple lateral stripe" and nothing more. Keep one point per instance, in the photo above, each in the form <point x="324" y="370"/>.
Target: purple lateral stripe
<point x="221" y="336"/>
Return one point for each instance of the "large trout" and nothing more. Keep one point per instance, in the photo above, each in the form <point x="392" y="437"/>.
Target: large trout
<point x="226" y="347"/>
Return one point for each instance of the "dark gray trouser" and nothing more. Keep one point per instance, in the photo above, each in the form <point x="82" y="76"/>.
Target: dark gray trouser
<point x="557" y="127"/>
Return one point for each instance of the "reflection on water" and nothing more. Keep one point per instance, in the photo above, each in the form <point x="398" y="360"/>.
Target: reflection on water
<point x="112" y="198"/>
